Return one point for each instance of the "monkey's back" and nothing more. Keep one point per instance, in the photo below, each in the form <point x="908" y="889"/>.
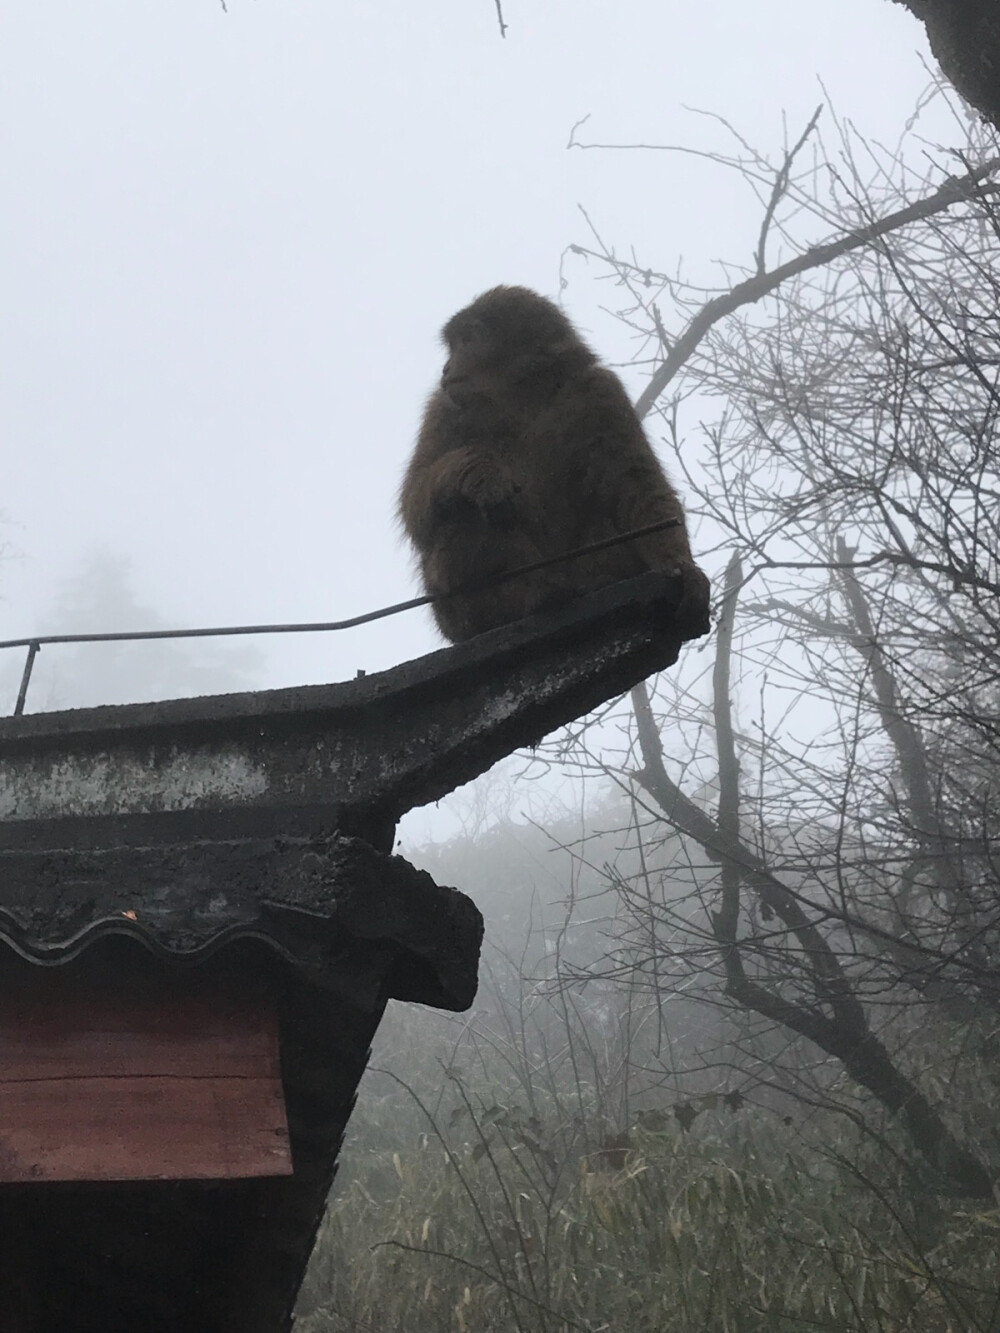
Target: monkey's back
<point x="593" y="474"/>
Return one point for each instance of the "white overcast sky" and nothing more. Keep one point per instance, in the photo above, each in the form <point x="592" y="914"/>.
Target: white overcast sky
<point x="228" y="240"/>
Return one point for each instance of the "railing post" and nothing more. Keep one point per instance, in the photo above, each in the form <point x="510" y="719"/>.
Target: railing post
<point x="29" y="662"/>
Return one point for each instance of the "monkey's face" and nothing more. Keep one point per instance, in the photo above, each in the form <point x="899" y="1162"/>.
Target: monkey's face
<point x="509" y="345"/>
<point x="473" y="360"/>
<point x="488" y="357"/>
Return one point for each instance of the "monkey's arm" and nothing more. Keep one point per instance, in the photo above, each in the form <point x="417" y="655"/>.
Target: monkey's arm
<point x="446" y="476"/>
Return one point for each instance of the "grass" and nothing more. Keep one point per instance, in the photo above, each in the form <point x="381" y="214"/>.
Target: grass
<point x="459" y="1210"/>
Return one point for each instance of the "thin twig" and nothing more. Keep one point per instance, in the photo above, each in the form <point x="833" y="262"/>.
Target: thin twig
<point x="780" y="187"/>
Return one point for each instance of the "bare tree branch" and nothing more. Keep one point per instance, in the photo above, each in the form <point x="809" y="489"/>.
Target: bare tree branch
<point x="956" y="189"/>
<point x="845" y="1033"/>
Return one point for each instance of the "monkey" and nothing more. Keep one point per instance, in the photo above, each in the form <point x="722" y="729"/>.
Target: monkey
<point x="530" y="448"/>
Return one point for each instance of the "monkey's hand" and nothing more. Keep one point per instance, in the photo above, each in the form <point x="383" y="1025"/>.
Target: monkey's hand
<point x="473" y="476"/>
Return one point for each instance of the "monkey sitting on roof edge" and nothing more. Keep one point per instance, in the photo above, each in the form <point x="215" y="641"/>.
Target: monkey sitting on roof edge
<point x="530" y="448"/>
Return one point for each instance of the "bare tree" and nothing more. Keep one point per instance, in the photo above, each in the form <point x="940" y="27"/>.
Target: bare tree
<point x="852" y="474"/>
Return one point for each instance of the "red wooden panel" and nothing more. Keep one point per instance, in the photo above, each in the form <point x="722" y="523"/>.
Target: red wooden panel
<point x="165" y="1075"/>
<point x="69" y="1034"/>
<point x="142" y="1128"/>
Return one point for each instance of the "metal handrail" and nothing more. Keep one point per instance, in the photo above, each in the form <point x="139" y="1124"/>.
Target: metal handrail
<point x="35" y="642"/>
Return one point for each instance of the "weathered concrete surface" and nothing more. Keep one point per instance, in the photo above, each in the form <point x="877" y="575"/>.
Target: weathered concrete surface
<point x="352" y="757"/>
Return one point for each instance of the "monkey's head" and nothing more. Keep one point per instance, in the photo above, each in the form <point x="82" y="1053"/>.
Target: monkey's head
<point x="508" y="336"/>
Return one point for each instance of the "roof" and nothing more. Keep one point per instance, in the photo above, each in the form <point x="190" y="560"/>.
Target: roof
<point x="255" y="831"/>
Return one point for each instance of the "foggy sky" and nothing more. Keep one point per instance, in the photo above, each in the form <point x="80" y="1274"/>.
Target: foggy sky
<point x="228" y="242"/>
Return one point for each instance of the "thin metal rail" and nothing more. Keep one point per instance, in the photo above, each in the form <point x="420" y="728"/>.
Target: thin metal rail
<point x="34" y="643"/>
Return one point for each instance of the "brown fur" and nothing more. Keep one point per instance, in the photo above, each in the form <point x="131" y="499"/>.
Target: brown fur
<point x="530" y="448"/>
